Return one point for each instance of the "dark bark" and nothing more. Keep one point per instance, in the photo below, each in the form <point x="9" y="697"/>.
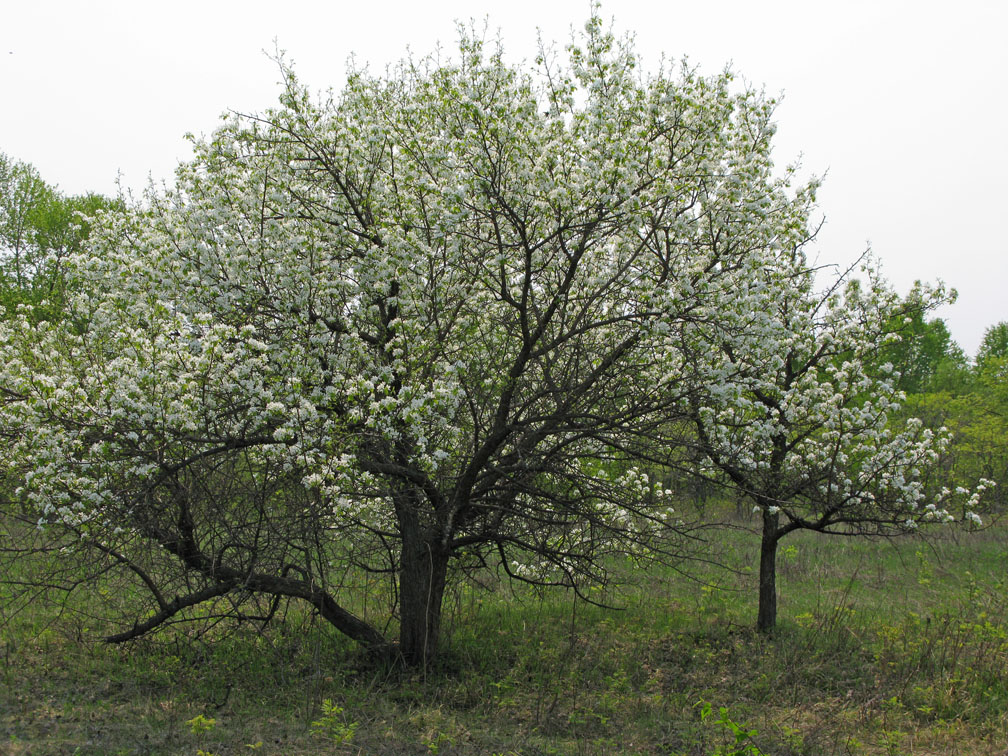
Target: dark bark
<point x="423" y="571"/>
<point x="273" y="585"/>
<point x="224" y="579"/>
<point x="169" y="610"/>
<point x="766" y="618"/>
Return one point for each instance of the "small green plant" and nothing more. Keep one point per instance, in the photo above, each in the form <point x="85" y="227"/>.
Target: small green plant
<point x="892" y="740"/>
<point x="712" y="600"/>
<point x="333" y="723"/>
<point x="741" y="737"/>
<point x="437" y="741"/>
<point x="200" y="725"/>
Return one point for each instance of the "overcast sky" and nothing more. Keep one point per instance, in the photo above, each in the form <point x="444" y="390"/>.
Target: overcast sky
<point x="902" y="105"/>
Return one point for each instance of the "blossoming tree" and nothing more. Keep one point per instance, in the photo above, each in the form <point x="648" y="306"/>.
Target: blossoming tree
<point x="792" y="408"/>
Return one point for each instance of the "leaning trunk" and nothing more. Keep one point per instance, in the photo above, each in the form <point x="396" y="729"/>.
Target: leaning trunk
<point x="423" y="570"/>
<point x="767" y="616"/>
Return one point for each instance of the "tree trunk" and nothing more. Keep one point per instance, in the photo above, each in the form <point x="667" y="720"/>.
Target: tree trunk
<point x="422" y="574"/>
<point x="767" y="616"/>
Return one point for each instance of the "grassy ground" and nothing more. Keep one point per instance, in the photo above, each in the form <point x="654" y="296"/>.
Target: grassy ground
<point x="883" y="648"/>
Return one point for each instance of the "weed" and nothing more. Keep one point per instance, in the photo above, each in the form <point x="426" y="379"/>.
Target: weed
<point x="740" y="737"/>
<point x="334" y="724"/>
<point x="200" y="725"/>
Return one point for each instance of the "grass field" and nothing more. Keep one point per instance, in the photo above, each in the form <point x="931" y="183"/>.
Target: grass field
<point x="882" y="648"/>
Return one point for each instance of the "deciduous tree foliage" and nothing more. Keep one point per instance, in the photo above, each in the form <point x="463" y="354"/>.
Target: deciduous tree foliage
<point x="994" y="346"/>
<point x="39" y="228"/>
<point x="921" y="350"/>
<point x="972" y="402"/>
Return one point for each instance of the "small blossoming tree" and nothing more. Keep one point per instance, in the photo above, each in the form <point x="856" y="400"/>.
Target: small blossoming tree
<point x="793" y="410"/>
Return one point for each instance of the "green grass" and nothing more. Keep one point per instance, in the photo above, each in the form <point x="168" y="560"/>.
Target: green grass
<point x="882" y="648"/>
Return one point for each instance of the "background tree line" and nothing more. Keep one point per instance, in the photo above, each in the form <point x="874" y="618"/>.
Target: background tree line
<point x="969" y="396"/>
<point x="39" y="228"/>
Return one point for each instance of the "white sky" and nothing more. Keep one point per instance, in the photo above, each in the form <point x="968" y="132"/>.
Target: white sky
<point x="901" y="104"/>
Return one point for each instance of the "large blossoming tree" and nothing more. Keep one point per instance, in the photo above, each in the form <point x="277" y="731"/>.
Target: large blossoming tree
<point x="432" y="323"/>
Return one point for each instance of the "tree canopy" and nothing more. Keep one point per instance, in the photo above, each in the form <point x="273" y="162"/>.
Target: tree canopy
<point x="993" y="347"/>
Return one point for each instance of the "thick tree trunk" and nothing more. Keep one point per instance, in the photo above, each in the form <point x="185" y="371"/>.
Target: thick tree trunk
<point x="767" y="616"/>
<point x="422" y="575"/>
